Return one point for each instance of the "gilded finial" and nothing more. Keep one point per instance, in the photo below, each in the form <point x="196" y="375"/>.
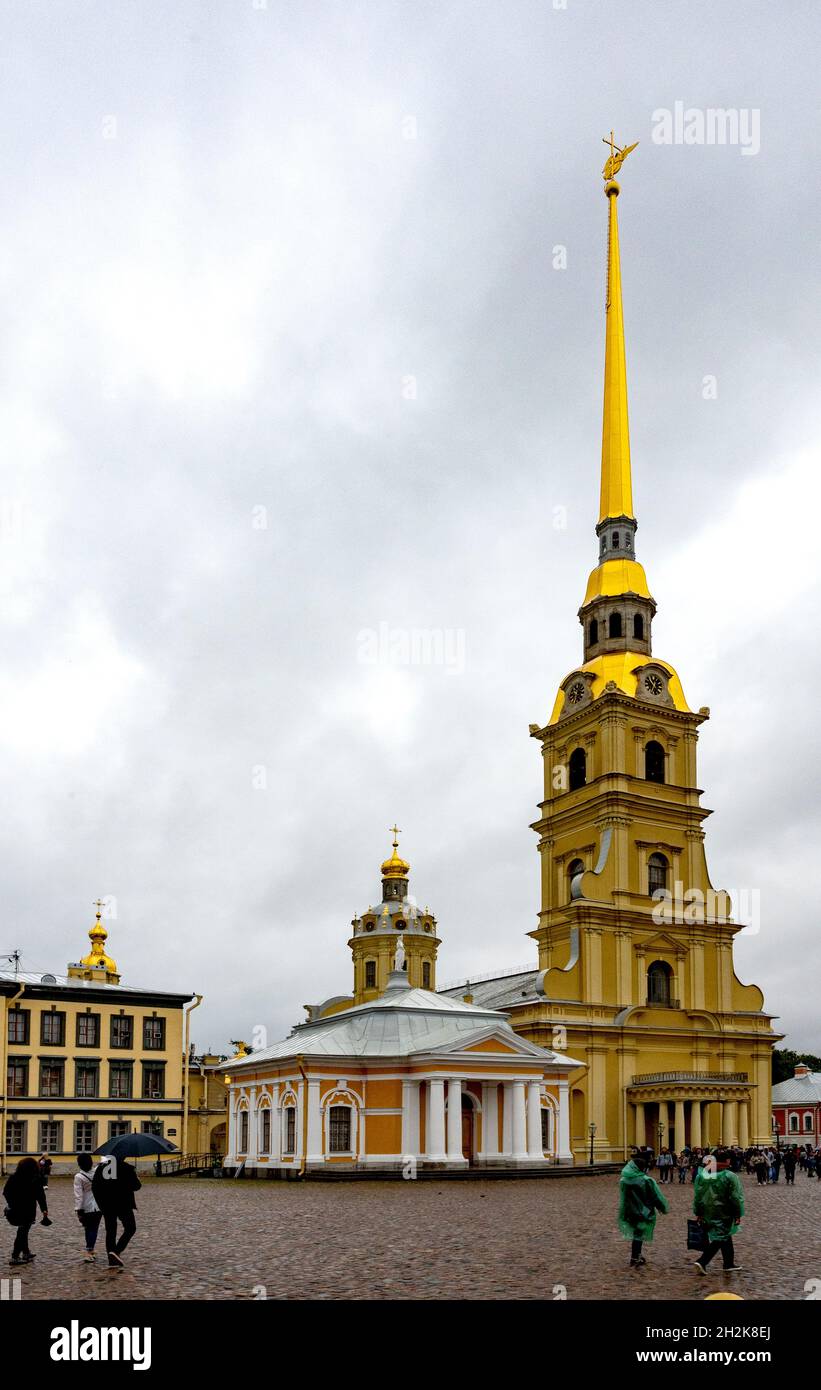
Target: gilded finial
<point x="616" y="159"/>
<point x="97" y="958"/>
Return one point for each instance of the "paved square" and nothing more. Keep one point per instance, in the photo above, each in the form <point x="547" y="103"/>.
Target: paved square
<point x="203" y="1239"/>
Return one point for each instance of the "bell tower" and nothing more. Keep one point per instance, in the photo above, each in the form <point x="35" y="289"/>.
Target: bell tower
<point x="635" y="945"/>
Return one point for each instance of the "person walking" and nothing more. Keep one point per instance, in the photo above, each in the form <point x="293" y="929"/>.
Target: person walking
<point x="24" y="1193"/>
<point x="88" y="1213"/>
<point x="683" y="1165"/>
<point x="45" y="1165"/>
<point x="790" y="1161"/>
<point x="718" y="1203"/>
<point x="639" y="1199"/>
<point x="113" y="1187"/>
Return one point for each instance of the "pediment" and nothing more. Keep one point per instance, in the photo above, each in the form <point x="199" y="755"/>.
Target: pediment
<point x="662" y="942"/>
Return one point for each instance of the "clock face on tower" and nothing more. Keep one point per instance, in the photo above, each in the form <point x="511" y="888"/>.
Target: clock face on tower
<point x="653" y="683"/>
<point x="576" y="692"/>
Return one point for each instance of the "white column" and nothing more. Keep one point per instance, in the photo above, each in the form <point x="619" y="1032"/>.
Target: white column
<point x="455" y="1154"/>
<point x="519" y="1123"/>
<point x="507" y="1118"/>
<point x="410" y="1117"/>
<point x="253" y="1131"/>
<point x="679" y="1126"/>
<point x="490" y="1119"/>
<point x="564" y="1153"/>
<point x="695" y="1124"/>
<point x="231" y="1154"/>
<point x="315" y="1154"/>
<point x="436" y="1120"/>
<point x="535" y="1152"/>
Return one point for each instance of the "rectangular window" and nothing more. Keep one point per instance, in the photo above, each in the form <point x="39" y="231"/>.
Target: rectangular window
<point x="87" y="1079"/>
<point x="17" y="1076"/>
<point x="265" y="1131"/>
<point x="243" y="1132"/>
<point x="122" y="1031"/>
<point x="116" y="1128"/>
<point x="51" y="1078"/>
<point x="16" y="1137"/>
<point x="290" y="1130"/>
<point x="153" y="1034"/>
<point x="53" y="1028"/>
<point x="153" y="1083"/>
<point x="19" y="1026"/>
<point x="154" y="1127"/>
<point x="120" y="1080"/>
<point x="370" y="974"/>
<point x="88" y="1030"/>
<point x="85" y="1136"/>
<point x="51" y="1136"/>
<point x="339" y="1129"/>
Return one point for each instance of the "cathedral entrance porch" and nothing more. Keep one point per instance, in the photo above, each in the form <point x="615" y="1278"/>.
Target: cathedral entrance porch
<point x="695" y="1109"/>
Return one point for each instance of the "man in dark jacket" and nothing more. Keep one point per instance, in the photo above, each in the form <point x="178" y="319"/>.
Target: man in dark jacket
<point x="113" y="1187"/>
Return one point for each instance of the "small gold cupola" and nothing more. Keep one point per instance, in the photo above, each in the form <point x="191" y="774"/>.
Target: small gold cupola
<point x="96" y="965"/>
<point x="395" y="872"/>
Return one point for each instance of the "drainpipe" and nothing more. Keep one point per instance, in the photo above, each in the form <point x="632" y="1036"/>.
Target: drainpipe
<point x="4" y="1078"/>
<point x="186" y="1062"/>
<point x="303" y="1074"/>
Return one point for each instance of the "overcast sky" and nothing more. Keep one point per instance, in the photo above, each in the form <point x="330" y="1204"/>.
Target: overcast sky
<point x="285" y="359"/>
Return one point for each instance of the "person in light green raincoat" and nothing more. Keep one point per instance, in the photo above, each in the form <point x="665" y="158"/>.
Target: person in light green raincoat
<point x="639" y="1200"/>
<point x="718" y="1202"/>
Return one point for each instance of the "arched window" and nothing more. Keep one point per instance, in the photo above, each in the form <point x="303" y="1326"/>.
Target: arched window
<point x="793" y="1124"/>
<point x="426" y="974"/>
<point x="243" y="1131"/>
<point x="657" y="868"/>
<point x="638" y="626"/>
<point x="289" y="1130"/>
<point x="370" y="974"/>
<point x="594" y="631"/>
<point x="659" y="983"/>
<point x="808" y="1123"/>
<point x="576" y="866"/>
<point x="265" y="1130"/>
<point x="615" y="540"/>
<point x="577" y="768"/>
<point x="614" y="625"/>
<point x="654" y="761"/>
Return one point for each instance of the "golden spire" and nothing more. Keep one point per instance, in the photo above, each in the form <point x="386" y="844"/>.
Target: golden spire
<point x="98" y="936"/>
<point x="616" y="484"/>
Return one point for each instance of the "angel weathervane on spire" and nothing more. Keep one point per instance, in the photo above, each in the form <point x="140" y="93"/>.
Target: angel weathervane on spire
<point x="617" y="157"/>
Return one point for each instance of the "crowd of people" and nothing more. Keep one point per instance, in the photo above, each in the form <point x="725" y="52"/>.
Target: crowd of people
<point x="103" y="1192"/>
<point x="765" y="1164"/>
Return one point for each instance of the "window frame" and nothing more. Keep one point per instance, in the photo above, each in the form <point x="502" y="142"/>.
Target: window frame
<point x="51" y="1015"/>
<point x="121" y="1046"/>
<point x="12" y="1016"/>
<point x="56" y="1064"/>
<point x="84" y="1018"/>
<point x="127" y="1069"/>
<point x="149" y="1022"/>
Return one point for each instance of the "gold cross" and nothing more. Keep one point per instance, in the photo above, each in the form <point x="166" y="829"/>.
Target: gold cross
<point x="396" y="833"/>
<point x="99" y="904"/>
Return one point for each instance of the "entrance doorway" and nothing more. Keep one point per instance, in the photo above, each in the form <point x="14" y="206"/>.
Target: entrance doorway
<point x="468" y="1129"/>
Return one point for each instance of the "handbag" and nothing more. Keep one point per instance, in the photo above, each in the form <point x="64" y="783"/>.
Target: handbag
<point x="695" y="1235"/>
<point x="10" y="1216"/>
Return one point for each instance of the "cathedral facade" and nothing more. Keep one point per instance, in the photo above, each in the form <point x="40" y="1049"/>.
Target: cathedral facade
<point x="635" y="947"/>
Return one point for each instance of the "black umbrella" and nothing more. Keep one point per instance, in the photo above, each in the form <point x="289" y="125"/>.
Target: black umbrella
<point x="137" y="1146"/>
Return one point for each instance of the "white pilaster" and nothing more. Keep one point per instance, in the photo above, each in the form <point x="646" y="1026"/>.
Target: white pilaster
<point x="565" y="1153"/>
<point x="231" y="1153"/>
<point x="535" y="1152"/>
<point x="276" y="1127"/>
<point x="315" y="1154"/>
<point x="507" y="1118"/>
<point x="253" y="1130"/>
<point x="410" y="1118"/>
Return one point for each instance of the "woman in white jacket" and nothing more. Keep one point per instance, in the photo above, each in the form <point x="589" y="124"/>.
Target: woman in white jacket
<point x="88" y="1213"/>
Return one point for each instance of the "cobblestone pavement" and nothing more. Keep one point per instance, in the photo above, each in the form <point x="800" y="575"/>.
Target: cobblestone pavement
<point x="204" y="1239"/>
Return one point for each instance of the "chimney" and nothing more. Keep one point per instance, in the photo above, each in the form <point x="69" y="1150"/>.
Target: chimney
<point x="801" y="1070"/>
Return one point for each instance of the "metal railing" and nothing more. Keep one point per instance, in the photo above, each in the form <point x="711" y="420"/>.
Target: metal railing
<point x="652" y="1076"/>
<point x="190" y="1163"/>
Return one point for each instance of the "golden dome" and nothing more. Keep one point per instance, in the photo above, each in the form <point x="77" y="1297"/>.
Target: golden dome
<point x="395" y="867"/>
<point x="621" y="668"/>
<point x="97" y="957"/>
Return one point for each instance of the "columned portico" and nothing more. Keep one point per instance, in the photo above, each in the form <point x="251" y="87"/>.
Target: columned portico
<point x="717" y="1106"/>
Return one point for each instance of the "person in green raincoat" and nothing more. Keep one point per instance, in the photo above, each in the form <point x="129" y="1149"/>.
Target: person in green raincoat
<point x="718" y="1202"/>
<point x="639" y="1200"/>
